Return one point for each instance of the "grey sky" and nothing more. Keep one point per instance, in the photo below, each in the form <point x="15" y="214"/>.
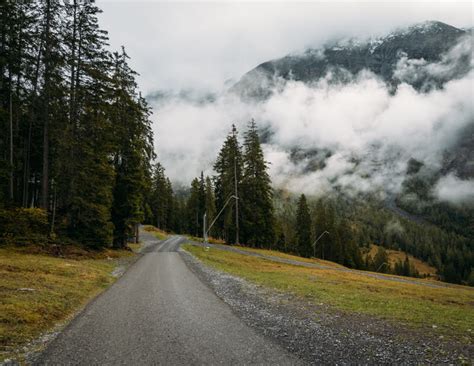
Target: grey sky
<point x="200" y="45"/>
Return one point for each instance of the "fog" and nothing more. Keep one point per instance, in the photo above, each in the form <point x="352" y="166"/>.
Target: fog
<point x="203" y="48"/>
<point x="370" y="132"/>
<point x="200" y="44"/>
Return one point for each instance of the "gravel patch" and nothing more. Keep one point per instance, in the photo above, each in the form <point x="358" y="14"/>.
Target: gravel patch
<point x="319" y="334"/>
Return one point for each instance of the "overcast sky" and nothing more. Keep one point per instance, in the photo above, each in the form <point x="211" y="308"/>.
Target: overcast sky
<point x="200" y="45"/>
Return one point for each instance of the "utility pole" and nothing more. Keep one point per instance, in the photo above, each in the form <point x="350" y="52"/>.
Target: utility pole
<point x="236" y="193"/>
<point x="314" y="244"/>
<point x="217" y="216"/>
<point x="204" y="229"/>
<point x="11" y="146"/>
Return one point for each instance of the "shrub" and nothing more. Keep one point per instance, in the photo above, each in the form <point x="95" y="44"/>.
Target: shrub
<point x="23" y="226"/>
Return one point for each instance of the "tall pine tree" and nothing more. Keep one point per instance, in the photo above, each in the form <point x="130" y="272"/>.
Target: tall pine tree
<point x="228" y="169"/>
<point x="303" y="227"/>
<point x="256" y="193"/>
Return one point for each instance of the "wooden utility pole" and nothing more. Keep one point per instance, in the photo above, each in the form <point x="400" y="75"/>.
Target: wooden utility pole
<point x="236" y="193"/>
<point x="11" y="146"/>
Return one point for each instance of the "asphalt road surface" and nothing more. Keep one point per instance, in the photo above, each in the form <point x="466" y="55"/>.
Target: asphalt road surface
<point x="160" y="313"/>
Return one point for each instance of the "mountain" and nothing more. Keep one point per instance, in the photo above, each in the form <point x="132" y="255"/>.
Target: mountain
<point x="426" y="56"/>
<point x="428" y="41"/>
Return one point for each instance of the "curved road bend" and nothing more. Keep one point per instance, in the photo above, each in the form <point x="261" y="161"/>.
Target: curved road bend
<point x="160" y="313"/>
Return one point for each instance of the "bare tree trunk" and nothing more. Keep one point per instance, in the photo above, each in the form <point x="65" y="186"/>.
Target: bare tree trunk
<point x="11" y="146"/>
<point x="236" y="203"/>
<point x="45" y="175"/>
<point x="54" y="209"/>
<point x="26" y="176"/>
<point x="45" y="172"/>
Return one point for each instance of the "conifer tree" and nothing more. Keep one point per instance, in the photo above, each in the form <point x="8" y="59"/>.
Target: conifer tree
<point x="193" y="209"/>
<point x="210" y="204"/>
<point x="83" y="170"/>
<point x="256" y="193"/>
<point x="228" y="169"/>
<point x="133" y="150"/>
<point x="159" y="198"/>
<point x="303" y="227"/>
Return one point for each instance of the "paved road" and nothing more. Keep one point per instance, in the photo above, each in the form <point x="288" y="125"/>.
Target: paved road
<point x="160" y="313"/>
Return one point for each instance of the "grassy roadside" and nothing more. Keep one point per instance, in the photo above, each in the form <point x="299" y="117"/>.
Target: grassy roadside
<point x="445" y="311"/>
<point x="210" y="239"/>
<point x="38" y="291"/>
<point x="275" y="253"/>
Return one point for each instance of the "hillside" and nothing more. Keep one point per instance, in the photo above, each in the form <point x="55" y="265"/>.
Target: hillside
<point x="394" y="256"/>
<point x="426" y="41"/>
<point x="425" y="181"/>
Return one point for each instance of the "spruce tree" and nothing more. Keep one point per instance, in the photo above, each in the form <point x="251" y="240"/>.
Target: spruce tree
<point x="303" y="228"/>
<point x="256" y="193"/>
<point x="210" y="205"/>
<point x="161" y="199"/>
<point x="193" y="209"/>
<point x="133" y="150"/>
<point x="83" y="170"/>
<point x="75" y="135"/>
<point x="228" y="167"/>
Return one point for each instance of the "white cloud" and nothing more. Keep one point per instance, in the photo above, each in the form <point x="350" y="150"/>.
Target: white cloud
<point x="176" y="45"/>
<point x="371" y="132"/>
<point x="452" y="189"/>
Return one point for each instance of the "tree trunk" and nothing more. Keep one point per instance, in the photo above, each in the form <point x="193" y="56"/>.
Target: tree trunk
<point x="45" y="172"/>
<point x="11" y="146"/>
<point x="26" y="176"/>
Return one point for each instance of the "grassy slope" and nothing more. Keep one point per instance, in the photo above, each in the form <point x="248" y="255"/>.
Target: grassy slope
<point x="38" y="290"/>
<point x="449" y="309"/>
<point x="395" y="255"/>
<point x="275" y="253"/>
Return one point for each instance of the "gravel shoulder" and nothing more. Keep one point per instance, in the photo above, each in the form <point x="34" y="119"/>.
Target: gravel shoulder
<point x="318" y="334"/>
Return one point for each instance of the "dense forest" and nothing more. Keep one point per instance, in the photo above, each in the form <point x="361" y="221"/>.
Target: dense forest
<point x="77" y="164"/>
<point x="75" y="143"/>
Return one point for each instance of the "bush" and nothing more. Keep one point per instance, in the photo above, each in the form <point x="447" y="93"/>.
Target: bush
<point x="23" y="226"/>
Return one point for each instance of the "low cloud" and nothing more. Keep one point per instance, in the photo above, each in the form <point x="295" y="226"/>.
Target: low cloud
<point x="368" y="132"/>
<point x="415" y="71"/>
<point x="394" y="227"/>
<point x="452" y="189"/>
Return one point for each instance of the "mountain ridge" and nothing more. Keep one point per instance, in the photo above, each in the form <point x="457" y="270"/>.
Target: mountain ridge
<point x="427" y="41"/>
